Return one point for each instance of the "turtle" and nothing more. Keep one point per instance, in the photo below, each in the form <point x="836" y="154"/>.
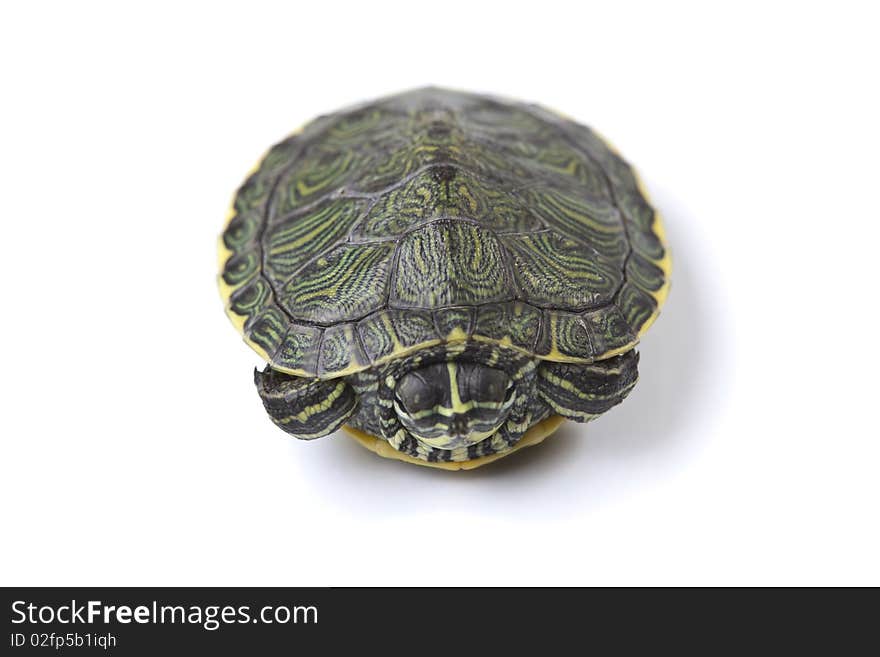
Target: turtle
<point x="445" y="275"/>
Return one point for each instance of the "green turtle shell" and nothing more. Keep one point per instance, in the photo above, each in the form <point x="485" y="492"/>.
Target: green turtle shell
<point x="438" y="216"/>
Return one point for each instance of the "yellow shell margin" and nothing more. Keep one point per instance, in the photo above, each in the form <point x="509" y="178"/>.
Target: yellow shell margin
<point x="659" y="229"/>
<point x="532" y="437"/>
<point x="223" y="255"/>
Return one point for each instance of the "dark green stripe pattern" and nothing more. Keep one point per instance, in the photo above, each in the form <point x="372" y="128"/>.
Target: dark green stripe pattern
<point x="397" y="217"/>
<point x="305" y="408"/>
<point x="583" y="392"/>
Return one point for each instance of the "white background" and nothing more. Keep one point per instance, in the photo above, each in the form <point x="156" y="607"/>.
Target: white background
<point x="136" y="451"/>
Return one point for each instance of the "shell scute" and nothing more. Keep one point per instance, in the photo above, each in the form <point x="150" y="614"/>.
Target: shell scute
<point x="454" y="322"/>
<point x="343" y="285"/>
<point x="267" y="328"/>
<point x="319" y="229"/>
<point x="387" y="333"/>
<point x="445" y="191"/>
<point x="552" y="271"/>
<point x="609" y="330"/>
<point x="517" y="324"/>
<point x="449" y="263"/>
<point x="340" y="351"/>
<point x="298" y="351"/>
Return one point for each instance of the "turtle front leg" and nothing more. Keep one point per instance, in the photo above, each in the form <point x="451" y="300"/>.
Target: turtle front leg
<point x="305" y="408"/>
<point x="582" y="392"/>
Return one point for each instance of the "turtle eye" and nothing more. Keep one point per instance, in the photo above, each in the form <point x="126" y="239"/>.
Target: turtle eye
<point x="485" y="384"/>
<point x="418" y="393"/>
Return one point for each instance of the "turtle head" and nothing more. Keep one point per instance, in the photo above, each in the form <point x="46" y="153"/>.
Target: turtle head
<point x="453" y="404"/>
